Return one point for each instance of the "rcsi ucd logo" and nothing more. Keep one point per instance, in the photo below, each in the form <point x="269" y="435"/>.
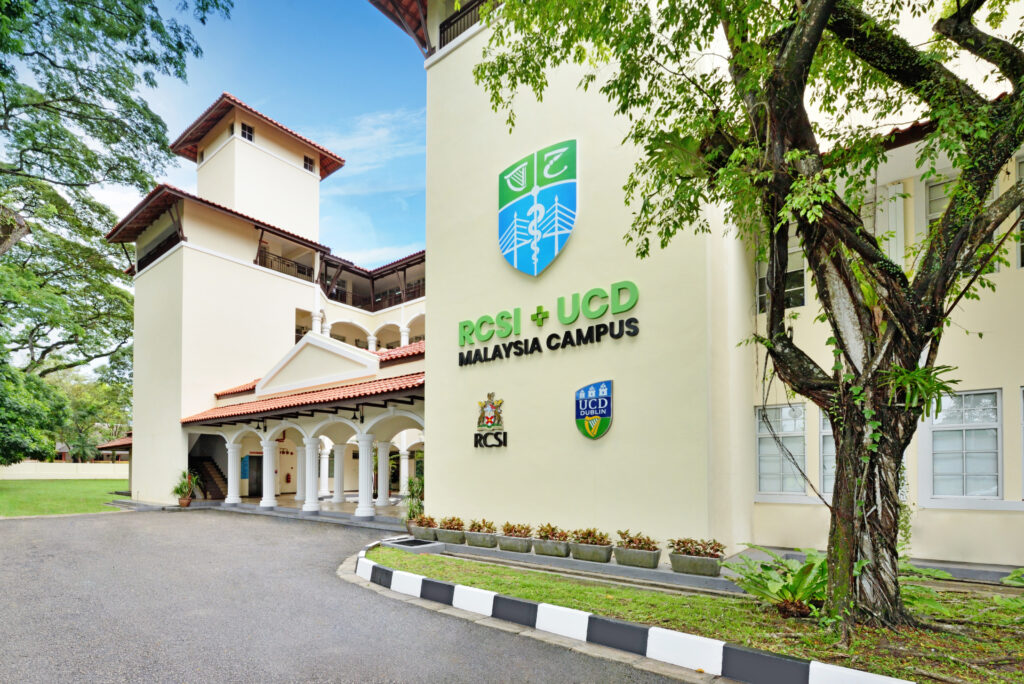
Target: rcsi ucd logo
<point x="537" y="207"/>
<point x="594" y="409"/>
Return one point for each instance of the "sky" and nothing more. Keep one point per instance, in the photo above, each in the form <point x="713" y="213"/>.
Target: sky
<point x="338" y="72"/>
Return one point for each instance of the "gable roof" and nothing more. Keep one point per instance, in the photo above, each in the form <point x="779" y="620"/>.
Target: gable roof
<point x="410" y="16"/>
<point x="239" y="389"/>
<point x="187" y="143"/>
<point x="414" y="349"/>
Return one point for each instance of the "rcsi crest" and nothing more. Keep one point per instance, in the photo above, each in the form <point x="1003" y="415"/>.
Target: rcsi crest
<point x="594" y="409"/>
<point x="490" y="429"/>
<point x="537" y="207"/>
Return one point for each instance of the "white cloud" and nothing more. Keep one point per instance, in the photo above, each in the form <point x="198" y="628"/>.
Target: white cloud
<point x="376" y="138"/>
<point x="378" y="256"/>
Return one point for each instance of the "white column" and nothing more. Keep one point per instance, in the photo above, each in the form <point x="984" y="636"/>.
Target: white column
<point x="404" y="332"/>
<point x="325" y="327"/>
<point x="371" y="342"/>
<point x="383" y="473"/>
<point x="234" y="474"/>
<point x="300" y="475"/>
<point x="365" y="506"/>
<point x="312" y="454"/>
<point x="269" y="500"/>
<point x="325" y="471"/>
<point x="339" y="473"/>
<point x="403" y="473"/>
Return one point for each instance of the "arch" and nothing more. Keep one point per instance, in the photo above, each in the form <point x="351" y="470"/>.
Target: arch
<point x="273" y="432"/>
<point x="236" y="437"/>
<point x="417" y="326"/>
<point x="348" y="321"/>
<point x="388" y="335"/>
<point x="320" y="429"/>
<point x="386" y="425"/>
<point x="386" y="324"/>
<point x="420" y="318"/>
<point x="349" y="332"/>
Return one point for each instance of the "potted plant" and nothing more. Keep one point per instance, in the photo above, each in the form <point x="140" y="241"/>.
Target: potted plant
<point x="481" y="533"/>
<point x="450" y="531"/>
<point x="423" y="527"/>
<point x="591" y="545"/>
<point x="551" y="541"/>
<point x="186" y="487"/>
<point x="637" y="550"/>
<point x="696" y="556"/>
<point x="414" y="503"/>
<point x="515" y="538"/>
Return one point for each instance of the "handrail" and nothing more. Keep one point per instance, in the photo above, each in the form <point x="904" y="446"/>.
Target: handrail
<point x="461" y="21"/>
<point x="276" y="262"/>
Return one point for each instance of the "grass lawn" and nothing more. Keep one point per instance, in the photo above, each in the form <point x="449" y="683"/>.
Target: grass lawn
<point x="52" y="497"/>
<point x="991" y="650"/>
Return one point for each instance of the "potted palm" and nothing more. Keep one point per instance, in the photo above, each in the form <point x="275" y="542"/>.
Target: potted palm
<point x="481" y="533"/>
<point x="450" y="530"/>
<point x="186" y="487"/>
<point x="591" y="545"/>
<point x="515" y="538"/>
<point x="423" y="527"/>
<point x="551" y="541"/>
<point x="637" y="550"/>
<point x="696" y="556"/>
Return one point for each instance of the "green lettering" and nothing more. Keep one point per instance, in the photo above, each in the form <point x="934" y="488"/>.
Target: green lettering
<point x="466" y="330"/>
<point x="568" y="318"/>
<point x="516" y="322"/>
<point x="596" y="293"/>
<point x="634" y="294"/>
<point x="480" y="323"/>
<point x="504" y="322"/>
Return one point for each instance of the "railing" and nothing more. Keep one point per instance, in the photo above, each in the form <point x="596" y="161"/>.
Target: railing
<point x="381" y="301"/>
<point x="283" y="265"/>
<point x="461" y="21"/>
<point x="415" y="291"/>
<point x="161" y="248"/>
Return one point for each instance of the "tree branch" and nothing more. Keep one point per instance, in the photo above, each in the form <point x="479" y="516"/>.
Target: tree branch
<point x="960" y="28"/>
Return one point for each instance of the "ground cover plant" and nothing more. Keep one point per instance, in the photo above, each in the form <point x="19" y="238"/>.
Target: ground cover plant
<point x="641" y="542"/>
<point x="483" y="525"/>
<point x="53" y="497"/>
<point x="591" y="536"/>
<point x="549" y="532"/>
<point x="516" y="530"/>
<point x="704" y="548"/>
<point x="451" y="523"/>
<point x="989" y="650"/>
<point x="423" y="520"/>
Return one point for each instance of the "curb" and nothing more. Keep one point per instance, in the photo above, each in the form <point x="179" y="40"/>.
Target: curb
<point x="704" y="655"/>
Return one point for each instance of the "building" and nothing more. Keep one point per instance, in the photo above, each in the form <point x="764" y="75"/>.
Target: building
<point x="522" y="317"/>
<point x="262" y="360"/>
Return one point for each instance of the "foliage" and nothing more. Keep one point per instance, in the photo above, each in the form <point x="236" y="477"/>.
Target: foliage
<point x="423" y="520"/>
<point x="920" y="597"/>
<point x="482" y="525"/>
<point x="30" y="410"/>
<point x="638" y="541"/>
<point x="704" y="548"/>
<point x="188" y="482"/>
<point x="514" y="530"/>
<point x="451" y="523"/>
<point x="95" y="414"/>
<point x="1015" y="578"/>
<point x="793" y="587"/>
<point x="921" y="388"/>
<point x="415" y="501"/>
<point x="591" y="535"/>
<point x="549" y="532"/>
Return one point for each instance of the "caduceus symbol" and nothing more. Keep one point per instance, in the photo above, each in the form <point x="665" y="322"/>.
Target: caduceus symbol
<point x="537" y="214"/>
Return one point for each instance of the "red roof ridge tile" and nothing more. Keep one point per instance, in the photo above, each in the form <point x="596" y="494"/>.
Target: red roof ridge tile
<point x="238" y="389"/>
<point x="412" y="349"/>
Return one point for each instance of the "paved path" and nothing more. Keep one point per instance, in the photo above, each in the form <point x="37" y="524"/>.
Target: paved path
<point x="215" y="597"/>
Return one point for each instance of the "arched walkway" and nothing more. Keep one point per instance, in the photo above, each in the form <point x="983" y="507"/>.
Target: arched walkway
<point x="350" y="333"/>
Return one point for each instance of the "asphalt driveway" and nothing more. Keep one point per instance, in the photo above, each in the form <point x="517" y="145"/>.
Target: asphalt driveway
<point x="218" y="597"/>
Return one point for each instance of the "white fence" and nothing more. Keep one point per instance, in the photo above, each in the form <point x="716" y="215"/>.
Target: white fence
<point x="34" y="470"/>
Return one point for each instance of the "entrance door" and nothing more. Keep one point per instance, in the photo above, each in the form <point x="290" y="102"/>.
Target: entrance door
<point x="255" y="476"/>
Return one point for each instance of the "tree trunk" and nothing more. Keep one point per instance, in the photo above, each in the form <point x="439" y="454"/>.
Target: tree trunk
<point x="12" y="228"/>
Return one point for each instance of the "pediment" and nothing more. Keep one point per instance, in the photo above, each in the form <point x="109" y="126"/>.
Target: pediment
<point x="315" y="361"/>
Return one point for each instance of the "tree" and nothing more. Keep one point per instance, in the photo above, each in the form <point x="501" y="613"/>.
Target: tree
<point x="30" y="410"/>
<point x="716" y="97"/>
<point x="94" y="414"/>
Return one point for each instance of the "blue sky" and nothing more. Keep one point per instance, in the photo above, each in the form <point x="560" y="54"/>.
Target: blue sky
<point x="337" y="72"/>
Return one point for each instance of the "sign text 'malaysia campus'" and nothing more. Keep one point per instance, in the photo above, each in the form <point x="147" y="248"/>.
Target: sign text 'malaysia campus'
<point x="594" y="304"/>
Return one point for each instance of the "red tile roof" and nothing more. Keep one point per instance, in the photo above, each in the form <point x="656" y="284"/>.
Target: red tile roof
<point x="414" y="349"/>
<point x="410" y="16"/>
<point x="187" y="143"/>
<point x="309" y="398"/>
<point x="240" y="389"/>
<point x="122" y="442"/>
<point x="163" y="196"/>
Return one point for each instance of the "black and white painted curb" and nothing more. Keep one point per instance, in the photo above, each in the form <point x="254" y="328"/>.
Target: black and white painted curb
<point x="678" y="648"/>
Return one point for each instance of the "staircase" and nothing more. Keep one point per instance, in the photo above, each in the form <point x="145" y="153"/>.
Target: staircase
<point x="215" y="485"/>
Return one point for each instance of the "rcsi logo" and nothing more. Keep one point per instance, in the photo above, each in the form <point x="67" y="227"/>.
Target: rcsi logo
<point x="489" y="425"/>
<point x="594" y="409"/>
<point x="537" y="207"/>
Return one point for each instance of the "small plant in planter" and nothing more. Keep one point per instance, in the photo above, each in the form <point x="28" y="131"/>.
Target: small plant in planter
<point x="515" y="538"/>
<point x="637" y="550"/>
<point x="188" y="482"/>
<point x="481" y="533"/>
<point x="591" y="545"/>
<point x="551" y="541"/>
<point x="696" y="556"/>
<point x="450" y="531"/>
<point x="423" y="527"/>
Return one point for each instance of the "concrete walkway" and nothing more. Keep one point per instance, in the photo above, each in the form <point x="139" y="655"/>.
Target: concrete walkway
<point x="203" y="596"/>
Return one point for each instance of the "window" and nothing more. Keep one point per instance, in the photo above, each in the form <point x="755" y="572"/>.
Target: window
<point x="938" y="198"/>
<point x="308" y="164"/>
<point x="966" y="445"/>
<point x="247" y="132"/>
<point x="794" y="286"/>
<point x="776" y="472"/>
<point x="828" y="456"/>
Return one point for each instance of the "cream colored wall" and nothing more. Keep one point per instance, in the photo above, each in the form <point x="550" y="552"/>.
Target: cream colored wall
<point x="215" y="175"/>
<point x="35" y="470"/>
<point x="313" y="362"/>
<point x="212" y="229"/>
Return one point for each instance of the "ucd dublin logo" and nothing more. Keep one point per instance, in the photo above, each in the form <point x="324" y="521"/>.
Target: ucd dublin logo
<point x="537" y="207"/>
<point x="594" y="409"/>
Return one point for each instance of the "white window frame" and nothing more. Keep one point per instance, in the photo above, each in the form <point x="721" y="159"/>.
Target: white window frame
<point x="824" y="430"/>
<point x="779" y="497"/>
<point x="795" y="253"/>
<point x="887" y="217"/>
<point x="251" y="137"/>
<point x="308" y="163"/>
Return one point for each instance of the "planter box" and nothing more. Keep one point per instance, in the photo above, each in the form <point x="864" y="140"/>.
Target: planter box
<point x="591" y="552"/>
<point x="426" y="533"/>
<point x="487" y="540"/>
<point x="695" y="565"/>
<point x="517" y="544"/>
<point x="638" y="558"/>
<point x="450" y="536"/>
<point x="548" y="547"/>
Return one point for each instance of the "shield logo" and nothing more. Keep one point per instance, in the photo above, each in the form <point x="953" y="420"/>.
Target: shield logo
<point x="489" y="417"/>
<point x="594" y="409"/>
<point x="537" y="207"/>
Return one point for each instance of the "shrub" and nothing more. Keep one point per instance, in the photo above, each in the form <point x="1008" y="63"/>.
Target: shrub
<point x="423" y="521"/>
<point x="792" y="586"/>
<point x="452" y="523"/>
<point x="415" y="501"/>
<point x="1014" y="579"/>
<point x="591" y="536"/>
<point x="511" y="530"/>
<point x="482" y="525"/>
<point x="188" y="482"/>
<point x="636" y="541"/>
<point x="550" y="532"/>
<point x="705" y="548"/>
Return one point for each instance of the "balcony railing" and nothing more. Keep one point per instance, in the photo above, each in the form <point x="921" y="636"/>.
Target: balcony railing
<point x="381" y="301"/>
<point x="461" y="21"/>
<point x="158" y="251"/>
<point x="283" y="265"/>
